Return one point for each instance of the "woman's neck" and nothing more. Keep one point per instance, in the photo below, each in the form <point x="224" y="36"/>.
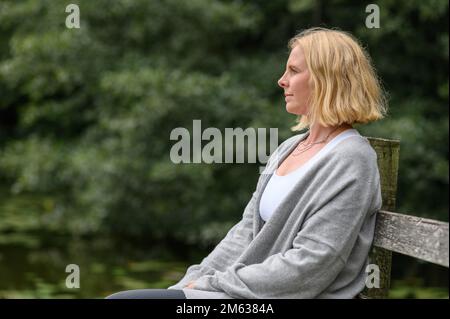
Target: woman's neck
<point x="318" y="132"/>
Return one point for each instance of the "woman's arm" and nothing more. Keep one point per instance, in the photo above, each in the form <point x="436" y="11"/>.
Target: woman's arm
<point x="236" y="240"/>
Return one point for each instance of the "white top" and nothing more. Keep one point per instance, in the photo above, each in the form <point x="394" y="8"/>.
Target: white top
<point x="279" y="186"/>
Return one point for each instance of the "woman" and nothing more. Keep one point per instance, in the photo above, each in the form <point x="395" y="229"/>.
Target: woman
<point x="308" y="228"/>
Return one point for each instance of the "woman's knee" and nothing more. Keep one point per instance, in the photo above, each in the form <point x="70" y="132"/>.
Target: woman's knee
<point x="149" y="294"/>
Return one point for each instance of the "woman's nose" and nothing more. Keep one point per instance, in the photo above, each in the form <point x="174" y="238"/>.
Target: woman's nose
<point x="282" y="82"/>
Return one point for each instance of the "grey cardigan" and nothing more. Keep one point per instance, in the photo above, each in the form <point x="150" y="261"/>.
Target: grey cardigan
<point x="316" y="243"/>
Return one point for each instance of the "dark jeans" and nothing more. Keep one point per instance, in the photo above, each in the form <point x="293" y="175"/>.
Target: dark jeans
<point x="149" y="294"/>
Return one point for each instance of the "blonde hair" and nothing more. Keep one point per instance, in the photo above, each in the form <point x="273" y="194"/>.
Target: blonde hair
<point x="345" y="87"/>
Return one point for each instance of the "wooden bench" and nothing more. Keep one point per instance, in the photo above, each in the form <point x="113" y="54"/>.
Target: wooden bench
<point x="418" y="237"/>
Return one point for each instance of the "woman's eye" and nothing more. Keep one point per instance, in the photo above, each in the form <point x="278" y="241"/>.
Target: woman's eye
<point x="294" y="71"/>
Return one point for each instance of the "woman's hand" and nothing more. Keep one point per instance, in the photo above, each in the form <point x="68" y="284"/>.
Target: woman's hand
<point x="190" y="285"/>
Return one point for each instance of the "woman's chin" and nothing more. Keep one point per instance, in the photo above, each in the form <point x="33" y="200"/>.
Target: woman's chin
<point x="291" y="109"/>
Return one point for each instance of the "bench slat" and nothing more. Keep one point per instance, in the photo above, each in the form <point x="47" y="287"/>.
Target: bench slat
<point x="417" y="237"/>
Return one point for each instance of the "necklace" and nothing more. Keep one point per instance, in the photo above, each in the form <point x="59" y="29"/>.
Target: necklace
<point x="303" y="148"/>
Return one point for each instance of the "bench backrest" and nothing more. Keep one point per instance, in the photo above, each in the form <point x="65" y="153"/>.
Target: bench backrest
<point x="422" y="238"/>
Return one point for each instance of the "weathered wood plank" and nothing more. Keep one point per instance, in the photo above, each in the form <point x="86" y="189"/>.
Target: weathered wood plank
<point x="418" y="237"/>
<point x="387" y="159"/>
<point x="388" y="152"/>
<point x="421" y="238"/>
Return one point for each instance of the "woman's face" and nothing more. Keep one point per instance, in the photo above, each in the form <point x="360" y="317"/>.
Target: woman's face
<point x="295" y="84"/>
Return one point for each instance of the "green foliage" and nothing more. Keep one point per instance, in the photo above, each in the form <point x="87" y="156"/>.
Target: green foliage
<point x="86" y="114"/>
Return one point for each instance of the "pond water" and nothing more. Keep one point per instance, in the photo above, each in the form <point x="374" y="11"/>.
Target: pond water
<point x="33" y="259"/>
<point x="34" y="266"/>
